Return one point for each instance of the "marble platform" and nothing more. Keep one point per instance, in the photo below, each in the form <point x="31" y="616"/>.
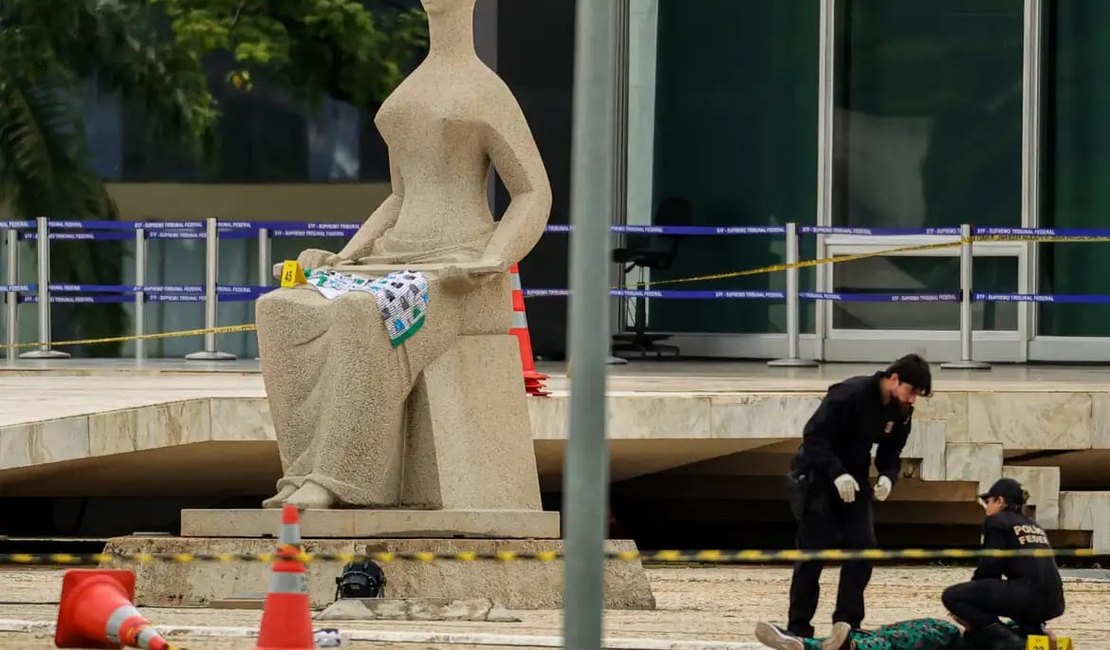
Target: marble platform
<point x="190" y="428"/>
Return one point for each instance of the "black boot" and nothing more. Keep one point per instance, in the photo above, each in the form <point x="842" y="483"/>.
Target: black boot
<point x="995" y="637"/>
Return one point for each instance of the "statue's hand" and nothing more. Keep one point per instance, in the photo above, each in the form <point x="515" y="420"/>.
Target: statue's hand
<point x="462" y="279"/>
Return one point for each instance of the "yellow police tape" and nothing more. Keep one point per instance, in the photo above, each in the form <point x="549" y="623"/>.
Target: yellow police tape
<point x="667" y="556"/>
<point x="224" y="329"/>
<point x="294" y="278"/>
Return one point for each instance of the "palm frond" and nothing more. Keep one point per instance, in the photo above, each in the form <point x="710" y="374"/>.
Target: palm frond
<point x="22" y="137"/>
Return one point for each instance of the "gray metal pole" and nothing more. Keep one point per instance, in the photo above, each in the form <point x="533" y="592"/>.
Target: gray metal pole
<point x="12" y="297"/>
<point x="585" y="479"/>
<point x="140" y="296"/>
<point x="967" y="258"/>
<point x="211" y="298"/>
<point x="793" y="319"/>
<point x="43" y="243"/>
<point x="265" y="267"/>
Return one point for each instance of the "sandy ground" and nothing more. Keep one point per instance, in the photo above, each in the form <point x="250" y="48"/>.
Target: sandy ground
<point x="712" y="604"/>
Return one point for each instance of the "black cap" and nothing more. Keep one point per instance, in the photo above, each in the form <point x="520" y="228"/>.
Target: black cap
<point x="1008" y="489"/>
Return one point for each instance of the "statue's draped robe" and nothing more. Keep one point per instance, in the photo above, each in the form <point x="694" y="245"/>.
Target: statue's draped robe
<point x="337" y="387"/>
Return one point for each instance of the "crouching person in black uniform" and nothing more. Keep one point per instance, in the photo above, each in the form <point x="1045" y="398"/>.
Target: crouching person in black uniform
<point x="1032" y="593"/>
<point x="832" y="495"/>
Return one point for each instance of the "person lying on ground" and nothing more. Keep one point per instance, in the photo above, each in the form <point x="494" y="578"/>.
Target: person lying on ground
<point x="916" y="634"/>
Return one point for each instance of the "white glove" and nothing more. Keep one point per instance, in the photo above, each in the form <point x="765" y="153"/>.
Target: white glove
<point x="847" y="487"/>
<point x="882" y="488"/>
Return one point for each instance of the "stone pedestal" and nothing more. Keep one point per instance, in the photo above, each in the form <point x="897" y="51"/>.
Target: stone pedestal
<point x="363" y="524"/>
<point x="517" y="584"/>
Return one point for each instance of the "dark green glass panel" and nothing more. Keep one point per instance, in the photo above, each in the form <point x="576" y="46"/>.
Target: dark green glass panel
<point x="736" y="136"/>
<point x="1077" y="163"/>
<point x="928" y="111"/>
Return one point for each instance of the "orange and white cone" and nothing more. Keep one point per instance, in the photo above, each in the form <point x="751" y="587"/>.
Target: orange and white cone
<point x="97" y="611"/>
<point x="286" y="617"/>
<point x="533" y="380"/>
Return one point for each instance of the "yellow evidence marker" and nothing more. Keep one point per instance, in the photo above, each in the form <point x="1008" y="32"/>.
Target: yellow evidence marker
<point x="1041" y="642"/>
<point x="292" y="274"/>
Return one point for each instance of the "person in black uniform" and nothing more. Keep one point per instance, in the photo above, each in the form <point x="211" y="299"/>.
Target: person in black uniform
<point x="1031" y="593"/>
<point x="831" y="498"/>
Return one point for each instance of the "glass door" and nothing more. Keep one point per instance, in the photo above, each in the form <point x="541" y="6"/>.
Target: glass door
<point x="926" y="120"/>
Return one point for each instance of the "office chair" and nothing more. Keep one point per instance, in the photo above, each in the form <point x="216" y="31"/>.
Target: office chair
<point x="656" y="252"/>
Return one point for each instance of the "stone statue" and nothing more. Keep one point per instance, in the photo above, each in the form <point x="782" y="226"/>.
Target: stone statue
<point x="337" y="384"/>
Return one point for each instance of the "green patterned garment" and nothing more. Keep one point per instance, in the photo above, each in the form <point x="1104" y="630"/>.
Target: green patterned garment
<point x="917" y="634"/>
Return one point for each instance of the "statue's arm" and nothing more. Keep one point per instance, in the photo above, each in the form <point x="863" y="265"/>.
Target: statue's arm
<point x="513" y="152"/>
<point x="381" y="220"/>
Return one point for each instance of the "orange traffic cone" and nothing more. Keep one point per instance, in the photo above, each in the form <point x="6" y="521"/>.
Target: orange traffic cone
<point x="97" y="612"/>
<point x="286" y="618"/>
<point x="533" y="380"/>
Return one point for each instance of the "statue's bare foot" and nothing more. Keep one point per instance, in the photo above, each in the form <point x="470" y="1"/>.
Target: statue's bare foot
<point x="278" y="500"/>
<point x="312" y="496"/>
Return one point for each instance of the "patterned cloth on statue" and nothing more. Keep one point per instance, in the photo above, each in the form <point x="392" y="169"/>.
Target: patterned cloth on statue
<point x="402" y="297"/>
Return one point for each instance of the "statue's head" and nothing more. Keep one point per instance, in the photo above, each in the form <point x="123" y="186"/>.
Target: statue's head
<point x="448" y="6"/>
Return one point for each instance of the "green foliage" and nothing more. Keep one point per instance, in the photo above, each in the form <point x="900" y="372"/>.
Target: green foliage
<point x="336" y="48"/>
<point x="154" y="53"/>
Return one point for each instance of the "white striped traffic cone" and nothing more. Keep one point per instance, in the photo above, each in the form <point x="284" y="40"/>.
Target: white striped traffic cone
<point x="533" y="380"/>
<point x="286" y="617"/>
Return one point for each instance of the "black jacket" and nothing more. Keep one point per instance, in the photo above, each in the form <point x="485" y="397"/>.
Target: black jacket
<point x="1012" y="530"/>
<point x="851" y="419"/>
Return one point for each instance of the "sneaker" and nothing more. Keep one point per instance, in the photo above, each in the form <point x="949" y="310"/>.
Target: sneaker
<point x="840" y="638"/>
<point x="775" y="637"/>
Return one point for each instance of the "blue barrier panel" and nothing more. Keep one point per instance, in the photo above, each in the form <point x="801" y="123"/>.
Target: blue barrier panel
<point x="176" y="234"/>
<point x="80" y="236"/>
<point x="91" y="288"/>
<point x="668" y="294"/>
<point x="758" y="295"/>
<point x="84" y="300"/>
<point x="237" y="234"/>
<point x="21" y="288"/>
<point x="310" y="233"/>
<point x="93" y="225"/>
<point x="1043" y="232"/>
<point x="700" y="230"/>
<point x="16" y="225"/>
<point x="682" y="230"/>
<point x="879" y="297"/>
<point x="173" y="297"/>
<point x="171" y="225"/>
<point x="1083" y="299"/>
<point x="878" y="232"/>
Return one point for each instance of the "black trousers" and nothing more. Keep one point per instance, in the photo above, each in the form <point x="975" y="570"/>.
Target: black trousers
<point x="980" y="603"/>
<point x="824" y="522"/>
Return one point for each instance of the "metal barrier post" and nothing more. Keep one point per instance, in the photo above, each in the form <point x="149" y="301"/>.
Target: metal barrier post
<point x="12" y="297"/>
<point x="967" y="257"/>
<point x="140" y="295"/>
<point x="44" y="351"/>
<point x="265" y="267"/>
<point x="211" y="270"/>
<point x="265" y="264"/>
<point x="793" y="321"/>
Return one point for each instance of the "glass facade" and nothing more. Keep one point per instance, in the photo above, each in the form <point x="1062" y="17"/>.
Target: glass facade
<point x="736" y="137"/>
<point x="928" y="132"/>
<point x="1076" y="154"/>
<point x="265" y="136"/>
<point x="929" y="127"/>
